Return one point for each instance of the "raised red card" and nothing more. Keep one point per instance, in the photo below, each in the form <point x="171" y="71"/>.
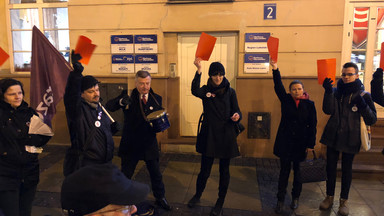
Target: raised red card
<point x="205" y="46"/>
<point x="85" y="48"/>
<point x="326" y="68"/>
<point x="273" y="47"/>
<point x="3" y="56"/>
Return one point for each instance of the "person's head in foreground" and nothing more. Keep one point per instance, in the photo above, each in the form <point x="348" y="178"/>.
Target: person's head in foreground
<point x="101" y="190"/>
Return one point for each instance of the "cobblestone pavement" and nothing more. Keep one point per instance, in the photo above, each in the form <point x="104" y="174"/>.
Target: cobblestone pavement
<point x="264" y="173"/>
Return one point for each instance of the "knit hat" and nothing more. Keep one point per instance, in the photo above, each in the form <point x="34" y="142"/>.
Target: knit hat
<point x="88" y="82"/>
<point x="216" y="68"/>
<point x="93" y="187"/>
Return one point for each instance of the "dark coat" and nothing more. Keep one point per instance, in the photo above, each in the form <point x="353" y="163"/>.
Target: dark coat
<point x="81" y="118"/>
<point x="297" y="129"/>
<point x="217" y="137"/>
<point x="17" y="165"/>
<point x="342" y="131"/>
<point x="139" y="139"/>
<point x="377" y="90"/>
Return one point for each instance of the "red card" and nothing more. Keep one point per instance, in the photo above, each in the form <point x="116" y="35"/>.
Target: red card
<point x="85" y="48"/>
<point x="273" y="47"/>
<point x="3" y="56"/>
<point x="326" y="68"/>
<point x="382" y="56"/>
<point x="205" y="46"/>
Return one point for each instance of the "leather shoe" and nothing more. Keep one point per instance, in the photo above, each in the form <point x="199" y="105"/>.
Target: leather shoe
<point x="163" y="203"/>
<point x="216" y="211"/>
<point x="295" y="203"/>
<point x="193" y="201"/>
<point x="279" y="207"/>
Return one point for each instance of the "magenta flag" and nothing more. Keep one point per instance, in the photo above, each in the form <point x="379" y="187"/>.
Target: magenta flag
<point x="49" y="73"/>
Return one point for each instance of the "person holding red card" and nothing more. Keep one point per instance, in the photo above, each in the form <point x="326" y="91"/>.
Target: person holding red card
<point x="217" y="137"/>
<point x="90" y="126"/>
<point x="377" y="89"/>
<point x="295" y="137"/>
<point x="345" y="104"/>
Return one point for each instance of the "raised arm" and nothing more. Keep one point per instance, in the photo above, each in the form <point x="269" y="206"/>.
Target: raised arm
<point x="195" y="87"/>
<point x="72" y="95"/>
<point x="279" y="87"/>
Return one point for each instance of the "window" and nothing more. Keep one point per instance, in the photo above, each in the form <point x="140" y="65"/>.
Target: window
<point x="50" y="16"/>
<point x="364" y="33"/>
<point x="196" y="1"/>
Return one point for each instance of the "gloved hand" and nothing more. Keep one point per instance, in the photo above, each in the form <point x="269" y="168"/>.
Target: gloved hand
<point x="77" y="66"/>
<point x="327" y="85"/>
<point x="378" y="74"/>
<point x="115" y="127"/>
<point x="359" y="101"/>
<point x="125" y="99"/>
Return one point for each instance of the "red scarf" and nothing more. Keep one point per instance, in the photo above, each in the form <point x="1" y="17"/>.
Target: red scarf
<point x="305" y="96"/>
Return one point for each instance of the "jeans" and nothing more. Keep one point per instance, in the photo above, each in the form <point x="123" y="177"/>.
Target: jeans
<point x="285" y="169"/>
<point x="346" y="172"/>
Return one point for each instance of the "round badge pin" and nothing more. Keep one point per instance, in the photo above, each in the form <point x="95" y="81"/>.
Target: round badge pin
<point x="97" y="123"/>
<point x="151" y="107"/>
<point x="208" y="94"/>
<point x="354" y="108"/>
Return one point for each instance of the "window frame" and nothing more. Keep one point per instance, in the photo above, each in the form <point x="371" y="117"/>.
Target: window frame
<point x="371" y="41"/>
<point x="39" y="5"/>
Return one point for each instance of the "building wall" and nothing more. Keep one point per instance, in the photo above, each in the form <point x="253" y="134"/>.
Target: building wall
<point x="308" y="30"/>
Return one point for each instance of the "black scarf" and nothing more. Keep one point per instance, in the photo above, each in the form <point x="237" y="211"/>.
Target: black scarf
<point x="218" y="90"/>
<point x="348" y="88"/>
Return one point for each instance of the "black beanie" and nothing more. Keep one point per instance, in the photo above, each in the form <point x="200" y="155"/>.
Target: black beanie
<point x="88" y="82"/>
<point x="215" y="68"/>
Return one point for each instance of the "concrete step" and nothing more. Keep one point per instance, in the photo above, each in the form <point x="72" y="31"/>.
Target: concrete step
<point x="179" y="145"/>
<point x="371" y="157"/>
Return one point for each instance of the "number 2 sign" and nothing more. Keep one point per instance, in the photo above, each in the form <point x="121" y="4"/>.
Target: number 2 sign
<point x="270" y="11"/>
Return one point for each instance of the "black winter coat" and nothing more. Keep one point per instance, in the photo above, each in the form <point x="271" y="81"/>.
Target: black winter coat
<point x="377" y="90"/>
<point x="297" y="129"/>
<point x="17" y="165"/>
<point x="139" y="139"/>
<point x="81" y="118"/>
<point x="217" y="137"/>
<point x="342" y="131"/>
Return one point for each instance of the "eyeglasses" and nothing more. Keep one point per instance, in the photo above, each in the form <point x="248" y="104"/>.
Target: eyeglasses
<point x="124" y="210"/>
<point x="348" y="74"/>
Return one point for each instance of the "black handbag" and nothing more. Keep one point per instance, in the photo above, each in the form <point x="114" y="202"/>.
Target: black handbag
<point x="239" y="128"/>
<point x="313" y="170"/>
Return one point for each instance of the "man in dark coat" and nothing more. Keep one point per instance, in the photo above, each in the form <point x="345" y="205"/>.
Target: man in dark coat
<point x="139" y="141"/>
<point x="89" y="126"/>
<point x="345" y="104"/>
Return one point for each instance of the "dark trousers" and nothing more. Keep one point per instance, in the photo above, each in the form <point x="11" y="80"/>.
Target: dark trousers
<point x="128" y="166"/>
<point x="205" y="171"/>
<point x="346" y="172"/>
<point x="17" y="202"/>
<point x="285" y="169"/>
